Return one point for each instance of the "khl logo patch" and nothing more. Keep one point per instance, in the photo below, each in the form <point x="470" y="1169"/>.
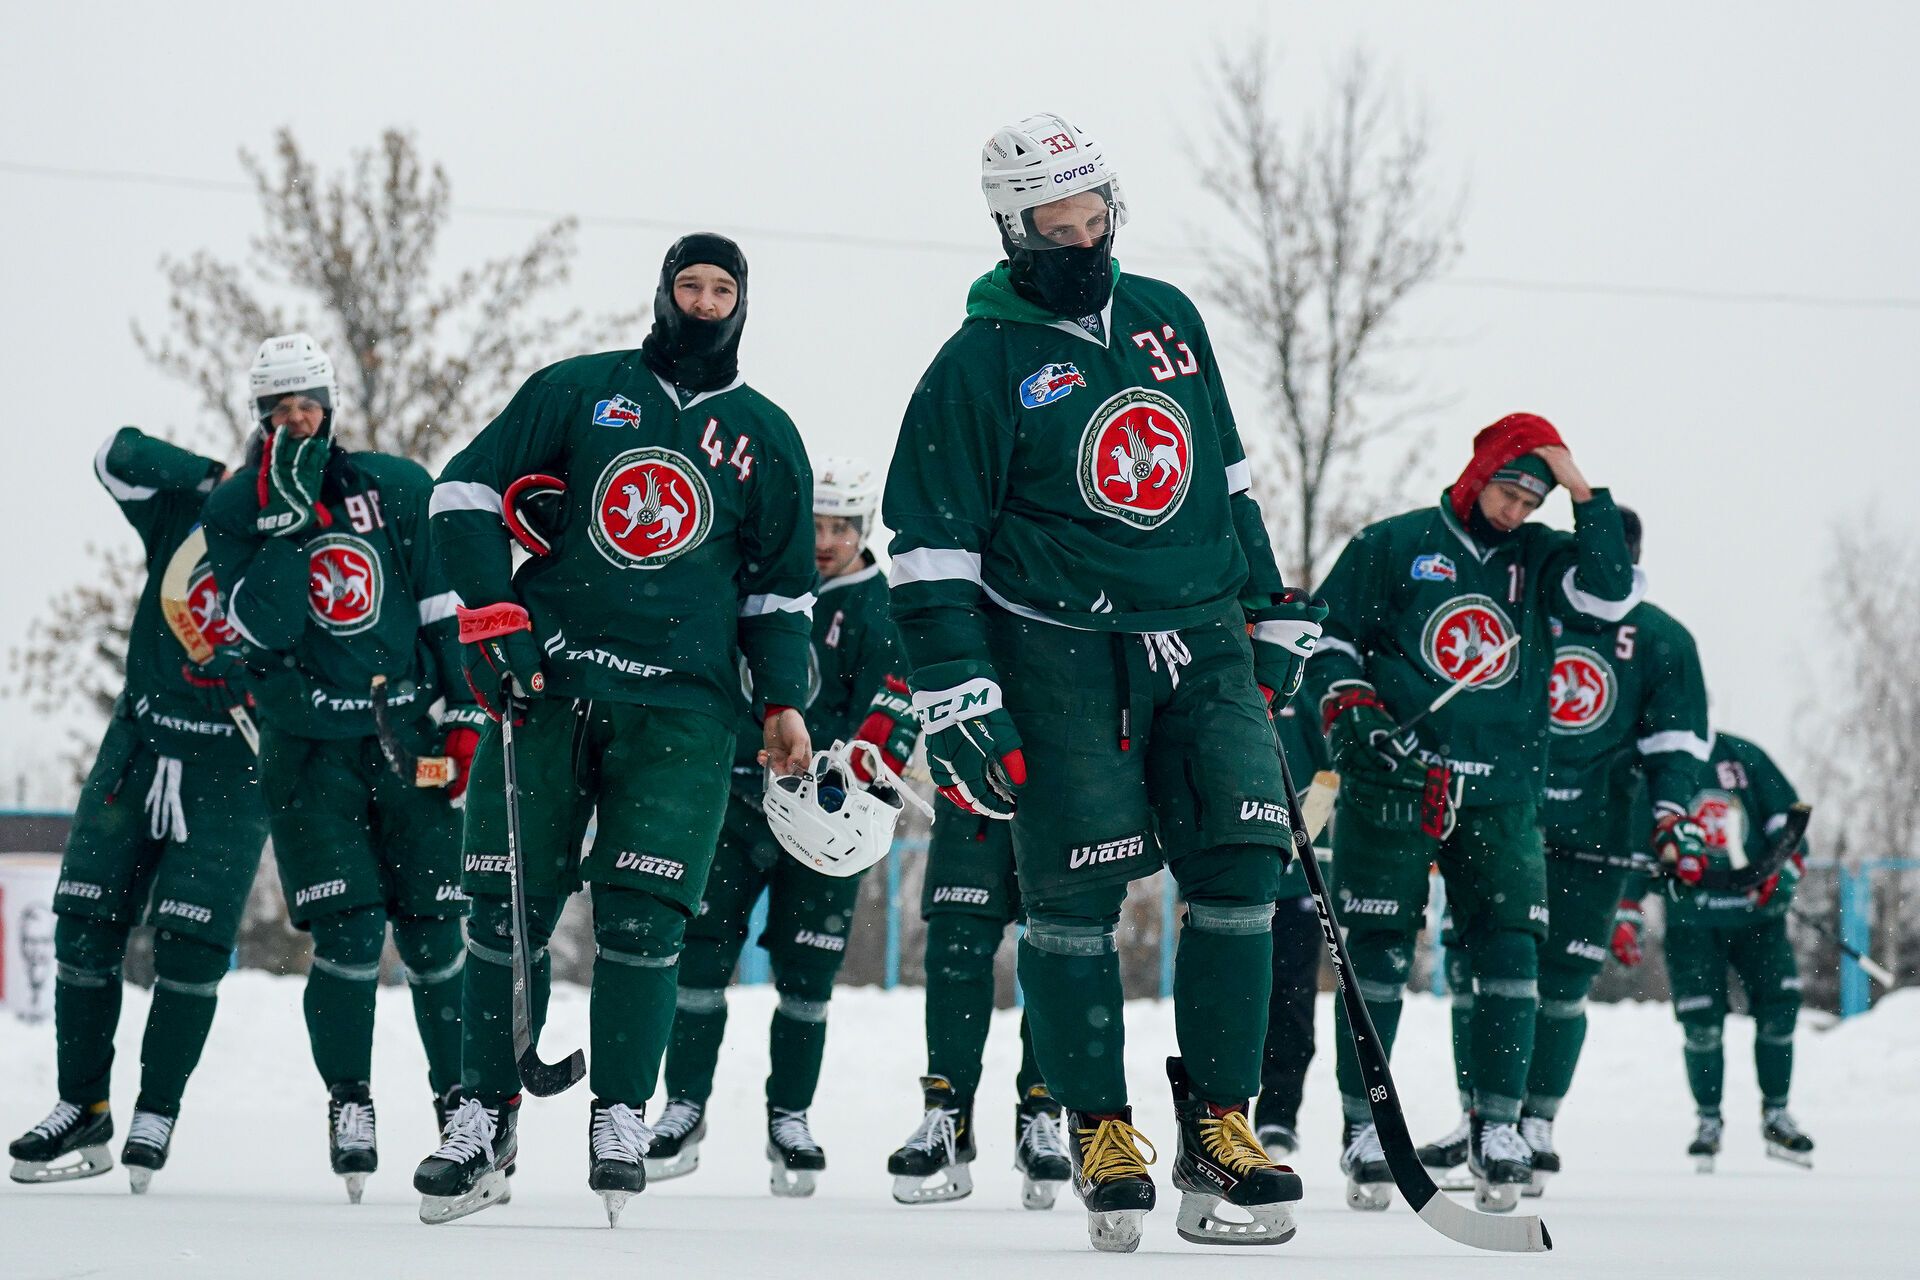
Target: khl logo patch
<point x="650" y="506"/>
<point x="1050" y="382"/>
<point x="617" y="411"/>
<point x="1136" y="458"/>
<point x="1434" y="568"/>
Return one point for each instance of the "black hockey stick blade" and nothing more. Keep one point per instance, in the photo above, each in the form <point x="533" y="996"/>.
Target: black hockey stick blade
<point x="543" y="1080"/>
<point x="401" y="762"/>
<point x="1518" y="1234"/>
<point x="1785" y="842"/>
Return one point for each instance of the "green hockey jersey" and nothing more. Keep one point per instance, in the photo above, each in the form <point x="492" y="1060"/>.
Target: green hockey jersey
<point x="161" y="488"/>
<point x="1741" y="805"/>
<point x="1414" y="603"/>
<point x="1090" y="477"/>
<point x="687" y="535"/>
<point x="1624" y="699"/>
<point x="330" y="609"/>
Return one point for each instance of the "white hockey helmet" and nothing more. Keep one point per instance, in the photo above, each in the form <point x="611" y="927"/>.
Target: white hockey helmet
<point x="832" y="821"/>
<point x="292" y="362"/>
<point x="848" y="488"/>
<point x="1041" y="159"/>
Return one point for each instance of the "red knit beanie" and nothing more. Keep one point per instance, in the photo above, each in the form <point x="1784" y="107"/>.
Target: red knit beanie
<point x="1496" y="446"/>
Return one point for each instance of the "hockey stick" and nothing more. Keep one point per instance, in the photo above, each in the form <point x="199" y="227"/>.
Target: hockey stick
<point x="1871" y="967"/>
<point x="541" y="1079"/>
<point x="422" y="771"/>
<point x="1786" y="842"/>
<point x="1401" y="738"/>
<point x="175" y="606"/>
<point x="1450" y="1218"/>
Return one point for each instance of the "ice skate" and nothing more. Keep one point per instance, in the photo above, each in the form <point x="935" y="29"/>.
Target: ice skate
<point x="796" y="1159"/>
<point x="933" y="1165"/>
<point x="1501" y="1164"/>
<point x="444" y="1105"/>
<point x="617" y="1140"/>
<point x="469" y="1172"/>
<point x="352" y="1144"/>
<point x="1279" y="1140"/>
<point x="1039" y="1152"/>
<point x="1220" y="1162"/>
<point x="1705" y="1146"/>
<point x="675" y="1149"/>
<point x="1538" y="1132"/>
<point x="70" y="1143"/>
<point x="149" y="1138"/>
<point x="1446" y="1159"/>
<point x="1110" y="1177"/>
<point x="1784" y="1139"/>
<point x="1369" y="1181"/>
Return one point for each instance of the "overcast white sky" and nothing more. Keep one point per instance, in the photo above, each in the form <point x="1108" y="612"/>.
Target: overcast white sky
<point x="1747" y="148"/>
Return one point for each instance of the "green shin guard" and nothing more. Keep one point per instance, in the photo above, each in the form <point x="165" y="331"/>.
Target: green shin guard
<point x="186" y="988"/>
<point x="1380" y="965"/>
<point x="487" y="1067"/>
<point x="1773" y="1053"/>
<point x="435" y="956"/>
<point x="1559" y="1031"/>
<point x="1070" y="972"/>
<point x="1222" y="980"/>
<point x="635" y="981"/>
<point x="1460" y="1019"/>
<point x="86" y="1005"/>
<point x="797" y="1041"/>
<point x="340" y="991"/>
<point x="699" y="1025"/>
<point x="960" y="951"/>
<point x="1706" y="1065"/>
<point x="1506" y="998"/>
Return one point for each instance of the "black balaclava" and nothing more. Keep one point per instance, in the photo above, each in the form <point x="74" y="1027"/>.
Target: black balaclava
<point x="1630" y="525"/>
<point x="697" y="355"/>
<point x="1070" y="282"/>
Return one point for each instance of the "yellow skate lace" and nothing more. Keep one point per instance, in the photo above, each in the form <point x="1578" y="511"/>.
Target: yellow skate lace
<point x="1111" y="1151"/>
<point x="1230" y="1140"/>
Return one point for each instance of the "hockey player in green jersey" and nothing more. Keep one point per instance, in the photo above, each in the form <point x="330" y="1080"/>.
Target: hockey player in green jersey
<point x="1742" y="805"/>
<point x="1417" y="603"/>
<point x="857" y="691"/>
<point x="677" y="540"/>
<point x="332" y="582"/>
<point x="968" y="897"/>
<point x="168" y="831"/>
<point x="1077" y="568"/>
<point x="1627" y="720"/>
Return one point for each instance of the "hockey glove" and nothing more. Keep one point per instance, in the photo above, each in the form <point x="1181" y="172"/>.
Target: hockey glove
<point x="1359" y="732"/>
<point x="1681" y="846"/>
<point x="1790" y="872"/>
<point x="461" y="743"/>
<point x="289" y="484"/>
<point x="1284" y="634"/>
<point x="973" y="750"/>
<point x="1627" y="919"/>
<point x="500" y="645"/>
<point x="889" y="726"/>
<point x="534" y="508"/>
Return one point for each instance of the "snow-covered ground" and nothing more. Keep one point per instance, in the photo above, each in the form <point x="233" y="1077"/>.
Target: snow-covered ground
<point x="248" y="1191"/>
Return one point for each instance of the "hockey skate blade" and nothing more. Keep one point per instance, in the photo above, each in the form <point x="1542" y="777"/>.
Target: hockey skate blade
<point x="615" y="1202"/>
<point x="1201" y="1221"/>
<point x="792" y="1184"/>
<point x="1496" y="1198"/>
<point x="88" y="1162"/>
<point x="1117" y="1231"/>
<point x="678" y="1165"/>
<point x="1038" y="1193"/>
<point x="1525" y="1234"/>
<point x="955" y="1183"/>
<point x="1786" y="1155"/>
<point x="1703" y="1164"/>
<point x="492" y="1189"/>
<point x="139" y="1179"/>
<point x="356" y="1186"/>
<point x="1538" y="1187"/>
<point x="1369" y="1197"/>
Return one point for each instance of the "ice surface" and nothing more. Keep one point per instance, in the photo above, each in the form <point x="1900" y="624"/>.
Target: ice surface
<point x="248" y="1193"/>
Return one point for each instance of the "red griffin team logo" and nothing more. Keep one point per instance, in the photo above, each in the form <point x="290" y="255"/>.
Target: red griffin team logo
<point x="1580" y="694"/>
<point x="343" y="583"/>
<point x="1463" y="631"/>
<point x="1136" y="458"/>
<point x="203" y="599"/>
<point x="650" y="506"/>
<point x="1714" y="811"/>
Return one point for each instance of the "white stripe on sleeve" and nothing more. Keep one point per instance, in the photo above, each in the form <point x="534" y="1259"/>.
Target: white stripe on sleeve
<point x="936" y="564"/>
<point x="1605" y="610"/>
<point x="1333" y="644"/>
<point x="120" y="489"/>
<point x="438" y="608"/>
<point x="464" y="495"/>
<point x="756" y="606"/>
<point x="1239" y="478"/>
<point x="1675" y="740"/>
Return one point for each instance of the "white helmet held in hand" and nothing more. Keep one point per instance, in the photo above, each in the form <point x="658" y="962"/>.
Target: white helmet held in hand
<point x="290" y="363"/>
<point x="831" y="820"/>
<point x="1041" y="159"/>
<point x="848" y="488"/>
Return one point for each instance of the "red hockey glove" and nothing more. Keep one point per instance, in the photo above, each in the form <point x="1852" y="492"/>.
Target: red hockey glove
<point x="1681" y="846"/>
<point x="889" y="726"/>
<point x="1627" y="919"/>
<point x="460" y="745"/>
<point x="1763" y="893"/>
<point x="500" y="640"/>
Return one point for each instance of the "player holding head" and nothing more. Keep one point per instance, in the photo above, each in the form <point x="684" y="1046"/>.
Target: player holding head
<point x="168" y="831"/>
<point x="334" y="583"/>
<point x="678" y="538"/>
<point x="1077" y="566"/>
<point x="1416" y="603"/>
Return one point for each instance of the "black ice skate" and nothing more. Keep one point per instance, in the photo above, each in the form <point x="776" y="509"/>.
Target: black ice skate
<point x="941" y="1148"/>
<point x="1369" y="1180"/>
<point x="470" y="1170"/>
<point x="351" y="1141"/>
<point x="617" y="1141"/>
<point x="1280" y="1140"/>
<point x="1705" y="1146"/>
<point x="1784" y="1139"/>
<point x="444" y="1105"/>
<point x="70" y="1143"/>
<point x="1219" y="1162"/>
<point x="149" y="1138"/>
<point x="675" y="1150"/>
<point x="1039" y="1152"/>
<point x="1110" y="1177"/>
<point x="1501" y="1164"/>
<point x="796" y="1160"/>
<point x="1446" y="1160"/>
<point x="1538" y="1132"/>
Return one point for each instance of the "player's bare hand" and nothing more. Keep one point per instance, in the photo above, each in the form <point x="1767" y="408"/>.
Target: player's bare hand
<point x="787" y="746"/>
<point x="1566" y="473"/>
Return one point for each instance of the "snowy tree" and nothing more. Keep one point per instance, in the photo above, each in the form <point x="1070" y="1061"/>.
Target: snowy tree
<point x="1333" y="223"/>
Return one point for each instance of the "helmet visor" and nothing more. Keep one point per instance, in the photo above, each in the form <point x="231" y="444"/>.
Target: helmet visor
<point x="1079" y="221"/>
